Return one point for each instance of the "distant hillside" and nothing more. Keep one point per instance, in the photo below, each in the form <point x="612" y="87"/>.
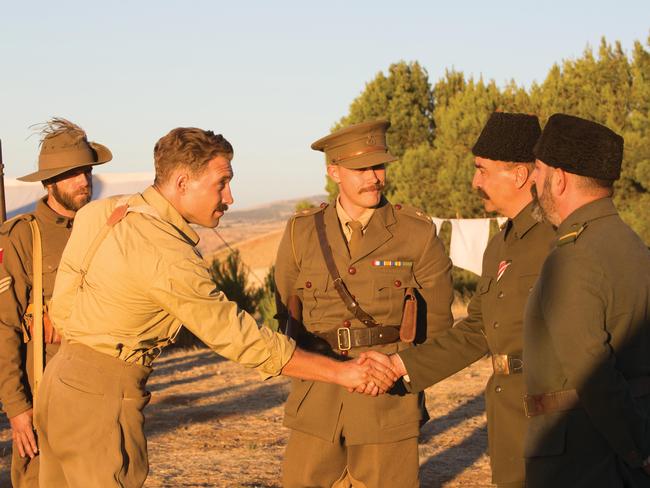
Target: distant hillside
<point x="253" y="226"/>
<point x="280" y="210"/>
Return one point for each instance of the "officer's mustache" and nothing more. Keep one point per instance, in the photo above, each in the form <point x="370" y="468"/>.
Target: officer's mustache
<point x="222" y="207"/>
<point x="375" y="187"/>
<point x="481" y="193"/>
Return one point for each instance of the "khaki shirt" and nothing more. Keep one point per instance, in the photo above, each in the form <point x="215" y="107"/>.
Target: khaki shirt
<point x="16" y="295"/>
<point x="494" y="325"/>
<point x="587" y="328"/>
<point x="345" y="219"/>
<point x="146" y="280"/>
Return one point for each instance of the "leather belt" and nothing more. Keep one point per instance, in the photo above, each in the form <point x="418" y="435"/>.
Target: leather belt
<point x="560" y="401"/>
<point x="507" y="364"/>
<point x="345" y="338"/>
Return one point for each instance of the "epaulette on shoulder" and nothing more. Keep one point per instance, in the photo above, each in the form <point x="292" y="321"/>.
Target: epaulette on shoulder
<point x="310" y="211"/>
<point x="8" y="225"/>
<point x="570" y="236"/>
<point x="408" y="210"/>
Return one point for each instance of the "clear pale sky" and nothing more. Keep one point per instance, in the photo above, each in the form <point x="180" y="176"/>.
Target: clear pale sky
<point x="271" y="76"/>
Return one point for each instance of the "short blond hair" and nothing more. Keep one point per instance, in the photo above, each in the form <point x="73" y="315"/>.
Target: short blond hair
<point x="190" y="147"/>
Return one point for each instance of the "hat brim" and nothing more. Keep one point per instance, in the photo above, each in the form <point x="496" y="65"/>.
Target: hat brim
<point x="104" y="155"/>
<point x="367" y="160"/>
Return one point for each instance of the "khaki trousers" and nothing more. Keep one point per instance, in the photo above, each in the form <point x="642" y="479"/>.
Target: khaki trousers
<point x="313" y="462"/>
<point x="24" y="471"/>
<point x="88" y="416"/>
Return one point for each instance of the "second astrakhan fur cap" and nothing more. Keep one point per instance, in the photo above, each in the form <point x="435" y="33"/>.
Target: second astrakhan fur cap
<point x="581" y="147"/>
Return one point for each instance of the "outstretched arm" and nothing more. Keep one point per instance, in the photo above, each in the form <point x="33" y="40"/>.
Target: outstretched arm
<point x="367" y="376"/>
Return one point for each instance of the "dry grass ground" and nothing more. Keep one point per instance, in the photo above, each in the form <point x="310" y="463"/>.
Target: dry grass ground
<point x="213" y="423"/>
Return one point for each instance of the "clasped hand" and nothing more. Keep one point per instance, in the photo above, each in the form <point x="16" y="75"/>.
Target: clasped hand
<point x="376" y="373"/>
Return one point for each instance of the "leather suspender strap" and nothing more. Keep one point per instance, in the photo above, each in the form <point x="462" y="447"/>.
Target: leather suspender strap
<point x="37" y="294"/>
<point x="350" y="303"/>
<point x="118" y="214"/>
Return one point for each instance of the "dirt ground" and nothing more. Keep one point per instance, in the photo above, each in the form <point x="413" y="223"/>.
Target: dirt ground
<point x="212" y="423"/>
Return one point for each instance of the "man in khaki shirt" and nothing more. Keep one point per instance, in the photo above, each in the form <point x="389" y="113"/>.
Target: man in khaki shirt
<point x="65" y="163"/>
<point x="129" y="278"/>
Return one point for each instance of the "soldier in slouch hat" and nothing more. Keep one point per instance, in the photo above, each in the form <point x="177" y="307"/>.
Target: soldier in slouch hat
<point x="31" y="245"/>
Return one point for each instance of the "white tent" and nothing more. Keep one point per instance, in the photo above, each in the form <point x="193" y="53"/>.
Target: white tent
<point x="21" y="197"/>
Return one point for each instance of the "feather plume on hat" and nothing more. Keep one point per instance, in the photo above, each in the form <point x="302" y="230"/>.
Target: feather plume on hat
<point x="64" y="146"/>
<point x="57" y="126"/>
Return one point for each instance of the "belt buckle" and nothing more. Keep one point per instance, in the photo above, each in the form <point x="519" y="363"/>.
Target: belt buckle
<point x="343" y="339"/>
<point x="500" y="364"/>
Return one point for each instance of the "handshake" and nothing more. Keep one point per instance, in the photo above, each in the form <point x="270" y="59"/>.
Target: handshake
<point x="372" y="373"/>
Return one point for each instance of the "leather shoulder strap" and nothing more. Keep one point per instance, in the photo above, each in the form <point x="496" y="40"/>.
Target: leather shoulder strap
<point x="37" y="305"/>
<point x="350" y="303"/>
<point x="116" y="216"/>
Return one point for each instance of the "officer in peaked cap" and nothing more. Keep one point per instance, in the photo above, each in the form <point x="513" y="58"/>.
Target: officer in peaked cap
<point x="385" y="255"/>
<point x="504" y="162"/>
<point x="26" y="281"/>
<point x="587" y="322"/>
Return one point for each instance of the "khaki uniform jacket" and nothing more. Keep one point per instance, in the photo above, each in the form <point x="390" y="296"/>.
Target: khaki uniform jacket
<point x="393" y="233"/>
<point x="587" y="327"/>
<point x="494" y="325"/>
<point x="16" y="358"/>
<point x="147" y="279"/>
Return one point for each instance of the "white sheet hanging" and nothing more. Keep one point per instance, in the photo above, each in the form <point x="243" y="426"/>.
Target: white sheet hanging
<point x="469" y="238"/>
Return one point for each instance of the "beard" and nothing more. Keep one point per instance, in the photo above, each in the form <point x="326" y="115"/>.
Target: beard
<point x="544" y="209"/>
<point x="73" y="201"/>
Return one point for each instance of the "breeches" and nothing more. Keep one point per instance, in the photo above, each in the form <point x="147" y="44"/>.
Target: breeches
<point x="89" y="419"/>
<point x="313" y="462"/>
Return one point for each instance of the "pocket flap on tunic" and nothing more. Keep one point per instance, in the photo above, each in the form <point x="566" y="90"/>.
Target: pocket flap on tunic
<point x="396" y="279"/>
<point x="299" y="390"/>
<point x="311" y="280"/>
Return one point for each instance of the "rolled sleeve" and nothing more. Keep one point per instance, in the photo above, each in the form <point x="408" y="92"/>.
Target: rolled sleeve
<point x="187" y="292"/>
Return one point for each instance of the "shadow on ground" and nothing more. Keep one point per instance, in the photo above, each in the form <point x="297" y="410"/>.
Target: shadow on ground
<point x="449" y="463"/>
